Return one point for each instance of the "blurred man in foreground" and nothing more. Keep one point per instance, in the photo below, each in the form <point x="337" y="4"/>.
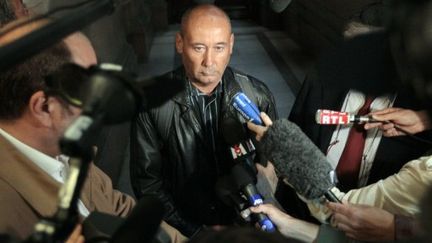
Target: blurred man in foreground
<point x="33" y="116"/>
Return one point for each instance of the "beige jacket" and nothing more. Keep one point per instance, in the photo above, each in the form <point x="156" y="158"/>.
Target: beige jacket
<point x="27" y="193"/>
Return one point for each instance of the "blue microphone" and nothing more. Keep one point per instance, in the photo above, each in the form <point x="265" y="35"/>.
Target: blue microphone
<point x="255" y="199"/>
<point x="245" y="181"/>
<point x="247" y="108"/>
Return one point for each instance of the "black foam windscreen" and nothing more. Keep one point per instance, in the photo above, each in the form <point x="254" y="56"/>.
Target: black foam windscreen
<point x="297" y="158"/>
<point x="99" y="227"/>
<point x="241" y="147"/>
<point x="233" y="131"/>
<point x="242" y="176"/>
<point x="228" y="193"/>
<point x="143" y="222"/>
<point x="158" y="90"/>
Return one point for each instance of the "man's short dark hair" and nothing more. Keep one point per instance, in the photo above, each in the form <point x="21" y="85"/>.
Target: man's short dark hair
<point x="20" y="82"/>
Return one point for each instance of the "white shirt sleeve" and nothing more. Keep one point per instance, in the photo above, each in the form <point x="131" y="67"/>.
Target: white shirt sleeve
<point x="400" y="193"/>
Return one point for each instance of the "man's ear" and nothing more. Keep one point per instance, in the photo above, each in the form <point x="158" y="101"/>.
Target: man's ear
<point x="39" y="109"/>
<point x="179" y="43"/>
<point x="231" y="42"/>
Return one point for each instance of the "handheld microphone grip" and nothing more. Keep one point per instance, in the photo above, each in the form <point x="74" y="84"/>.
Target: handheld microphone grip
<point x="245" y="183"/>
<point x="264" y="222"/>
<point x="331" y="197"/>
<point x="247" y="108"/>
<point x="255" y="199"/>
<point x="241" y="148"/>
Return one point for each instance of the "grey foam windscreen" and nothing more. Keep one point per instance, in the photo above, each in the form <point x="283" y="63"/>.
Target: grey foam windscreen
<point x="297" y="158"/>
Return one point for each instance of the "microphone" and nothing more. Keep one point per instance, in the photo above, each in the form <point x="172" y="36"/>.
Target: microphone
<point x="107" y="96"/>
<point x="295" y="156"/>
<point x="227" y="192"/>
<point x="247" y="108"/>
<point x="242" y="151"/>
<point x="246" y="183"/>
<point x="99" y="226"/>
<point x="142" y="224"/>
<point x="241" y="147"/>
<point x="329" y="117"/>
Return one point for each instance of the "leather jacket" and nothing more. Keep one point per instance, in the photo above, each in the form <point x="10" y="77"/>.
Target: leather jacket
<point x="169" y="157"/>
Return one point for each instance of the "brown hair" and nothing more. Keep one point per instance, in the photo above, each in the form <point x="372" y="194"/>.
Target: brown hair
<point x="20" y="82"/>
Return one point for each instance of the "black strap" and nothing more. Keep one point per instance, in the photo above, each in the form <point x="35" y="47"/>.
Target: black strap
<point x="166" y="114"/>
<point x="246" y="85"/>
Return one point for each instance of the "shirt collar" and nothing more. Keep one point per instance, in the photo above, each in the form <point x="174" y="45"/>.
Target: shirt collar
<point x="48" y="164"/>
<point x="193" y="91"/>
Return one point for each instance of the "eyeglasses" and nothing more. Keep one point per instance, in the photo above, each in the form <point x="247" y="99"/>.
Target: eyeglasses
<point x="67" y="83"/>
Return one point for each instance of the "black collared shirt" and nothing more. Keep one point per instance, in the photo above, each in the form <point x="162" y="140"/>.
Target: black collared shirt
<point x="206" y="108"/>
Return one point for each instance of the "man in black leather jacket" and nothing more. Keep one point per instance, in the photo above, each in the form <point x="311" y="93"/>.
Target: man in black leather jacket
<point x="177" y="150"/>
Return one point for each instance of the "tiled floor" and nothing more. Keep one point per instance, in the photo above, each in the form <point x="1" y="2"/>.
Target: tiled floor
<point x="257" y="51"/>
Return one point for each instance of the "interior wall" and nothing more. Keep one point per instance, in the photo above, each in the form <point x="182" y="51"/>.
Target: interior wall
<point x="317" y="24"/>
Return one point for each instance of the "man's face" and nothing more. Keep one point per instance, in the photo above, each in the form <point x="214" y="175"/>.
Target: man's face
<point x="64" y="113"/>
<point x="205" y="46"/>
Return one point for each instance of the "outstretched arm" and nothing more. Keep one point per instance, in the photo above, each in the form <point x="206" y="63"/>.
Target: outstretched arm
<point x="405" y="119"/>
<point x="361" y="222"/>
<point x="287" y="225"/>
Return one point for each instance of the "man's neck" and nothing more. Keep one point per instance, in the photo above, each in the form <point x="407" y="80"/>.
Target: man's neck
<point x="29" y="135"/>
<point x="207" y="88"/>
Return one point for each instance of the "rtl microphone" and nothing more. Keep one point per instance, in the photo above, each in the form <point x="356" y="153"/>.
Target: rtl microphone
<point x="245" y="183"/>
<point x="302" y="164"/>
<point x="247" y="108"/>
<point x="329" y="117"/>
